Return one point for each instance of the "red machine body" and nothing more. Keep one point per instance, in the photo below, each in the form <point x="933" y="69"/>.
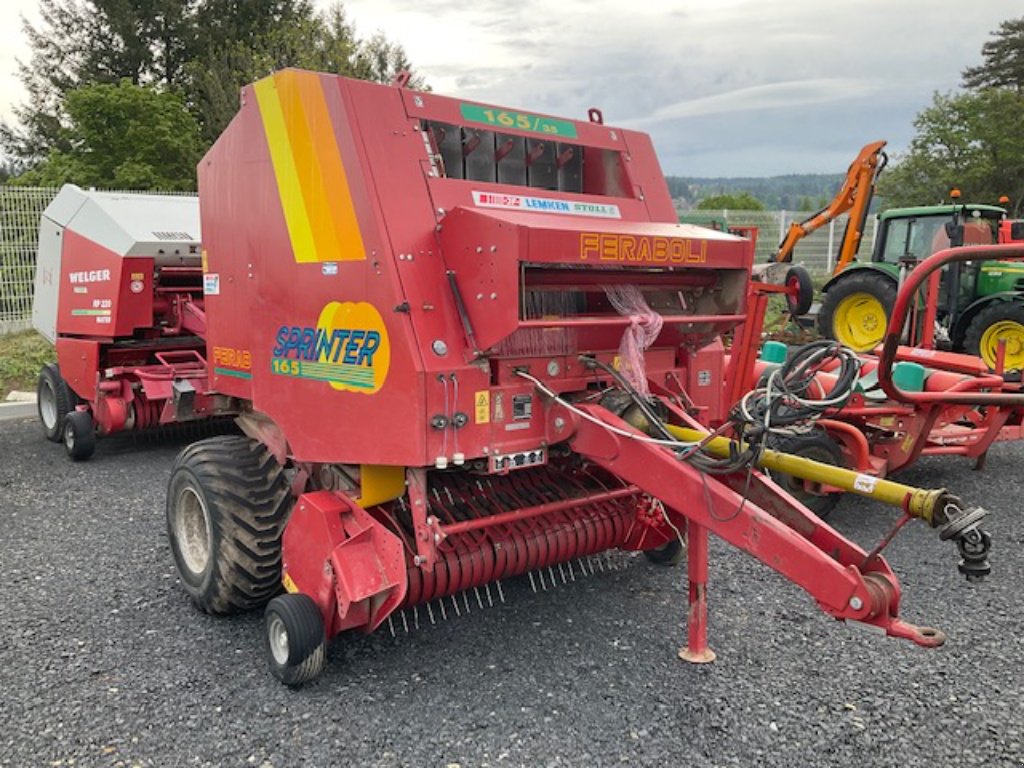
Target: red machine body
<point x="380" y="264"/>
<point x="118" y="291"/>
<point x="954" y="405"/>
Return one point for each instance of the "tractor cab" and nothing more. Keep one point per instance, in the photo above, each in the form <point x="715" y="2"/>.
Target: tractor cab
<point x="978" y="303"/>
<point x="907" y="236"/>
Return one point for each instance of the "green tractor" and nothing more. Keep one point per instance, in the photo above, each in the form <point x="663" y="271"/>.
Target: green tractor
<point x="979" y="304"/>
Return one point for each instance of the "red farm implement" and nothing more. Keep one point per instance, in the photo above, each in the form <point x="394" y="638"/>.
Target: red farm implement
<point x="908" y="401"/>
<point x="467" y="343"/>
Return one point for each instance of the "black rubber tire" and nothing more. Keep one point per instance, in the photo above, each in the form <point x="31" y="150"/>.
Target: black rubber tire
<point x="671" y="554"/>
<point x="54" y="401"/>
<point x="867" y="281"/>
<point x="799" y="278"/>
<point x="227" y="504"/>
<point x="303" y="654"/>
<point x="1012" y="311"/>
<point x="814" y="445"/>
<point x="79" y="435"/>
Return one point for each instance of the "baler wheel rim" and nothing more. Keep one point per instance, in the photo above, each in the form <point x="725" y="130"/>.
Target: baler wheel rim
<point x="192" y="530"/>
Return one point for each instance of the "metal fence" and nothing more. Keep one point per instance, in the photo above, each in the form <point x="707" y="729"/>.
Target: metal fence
<point x="20" y="211"/>
<point x="21" y="208"/>
<point x="817" y="251"/>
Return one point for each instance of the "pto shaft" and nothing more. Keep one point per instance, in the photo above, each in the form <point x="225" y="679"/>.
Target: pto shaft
<point x="916" y="502"/>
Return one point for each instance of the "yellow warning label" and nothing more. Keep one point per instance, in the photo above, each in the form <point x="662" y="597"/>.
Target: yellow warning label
<point x="289" y="585"/>
<point x="206" y="264"/>
<point x="138" y="275"/>
<point x="482" y="406"/>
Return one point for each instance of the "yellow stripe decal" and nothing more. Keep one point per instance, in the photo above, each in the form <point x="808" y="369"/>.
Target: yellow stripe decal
<point x="310" y="175"/>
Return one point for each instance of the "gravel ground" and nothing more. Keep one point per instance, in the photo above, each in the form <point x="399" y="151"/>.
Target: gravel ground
<point x="104" y="662"/>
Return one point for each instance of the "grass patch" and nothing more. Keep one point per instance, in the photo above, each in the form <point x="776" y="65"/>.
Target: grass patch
<point x="21" y="357"/>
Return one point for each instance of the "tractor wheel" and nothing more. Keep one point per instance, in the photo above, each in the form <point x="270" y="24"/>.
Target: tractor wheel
<point x="670" y="554"/>
<point x="54" y="401"/>
<point x="819" y="447"/>
<point x="855" y="311"/>
<point x="295" y="642"/>
<point x="995" y="323"/>
<point x="79" y="435"/>
<point x="227" y="503"/>
<point x="798" y="280"/>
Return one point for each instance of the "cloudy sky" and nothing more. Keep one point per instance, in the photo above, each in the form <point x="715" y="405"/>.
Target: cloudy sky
<point x="725" y="87"/>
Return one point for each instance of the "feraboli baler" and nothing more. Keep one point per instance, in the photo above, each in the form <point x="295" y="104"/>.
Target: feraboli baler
<point x="471" y="343"/>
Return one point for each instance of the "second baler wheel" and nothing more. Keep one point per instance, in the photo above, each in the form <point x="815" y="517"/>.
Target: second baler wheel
<point x="227" y="503"/>
<point x="54" y="401"/>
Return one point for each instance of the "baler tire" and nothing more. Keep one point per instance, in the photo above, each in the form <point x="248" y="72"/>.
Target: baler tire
<point x="668" y="555"/>
<point x="54" y="402"/>
<point x="818" y="446"/>
<point x="227" y="504"/>
<point x="294" y="639"/>
<point x="79" y="435"/>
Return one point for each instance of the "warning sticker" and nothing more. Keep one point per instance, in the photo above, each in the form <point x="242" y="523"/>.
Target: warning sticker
<point x="211" y="284"/>
<point x="482" y="406"/>
<point x="865" y="483"/>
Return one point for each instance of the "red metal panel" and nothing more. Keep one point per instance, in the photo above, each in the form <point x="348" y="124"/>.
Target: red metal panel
<point x="102" y="294"/>
<point x="79" y="361"/>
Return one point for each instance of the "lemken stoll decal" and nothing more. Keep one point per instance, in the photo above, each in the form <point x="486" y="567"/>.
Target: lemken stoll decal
<point x="348" y="348"/>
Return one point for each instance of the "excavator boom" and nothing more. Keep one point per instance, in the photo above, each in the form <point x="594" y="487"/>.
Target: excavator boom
<point x="854" y="197"/>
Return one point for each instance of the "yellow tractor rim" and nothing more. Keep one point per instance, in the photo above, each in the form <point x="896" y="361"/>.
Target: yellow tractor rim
<point x="860" y="322"/>
<point x="1013" y="333"/>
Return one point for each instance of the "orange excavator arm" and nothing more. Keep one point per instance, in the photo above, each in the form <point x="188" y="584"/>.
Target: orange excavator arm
<point x="854" y="197"/>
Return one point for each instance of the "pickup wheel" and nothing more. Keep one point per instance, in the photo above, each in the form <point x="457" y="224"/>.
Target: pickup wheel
<point x="1003" y="321"/>
<point x="295" y="642"/>
<point x="79" y="435"/>
<point x="855" y="311"/>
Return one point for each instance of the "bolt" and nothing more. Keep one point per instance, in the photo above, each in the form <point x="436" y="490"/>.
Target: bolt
<point x="494" y="296"/>
<point x="479" y="249"/>
<point x="559" y="423"/>
<point x="856" y="603"/>
<point x="417" y="560"/>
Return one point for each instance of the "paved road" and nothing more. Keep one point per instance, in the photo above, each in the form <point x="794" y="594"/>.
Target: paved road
<point x="104" y="662"/>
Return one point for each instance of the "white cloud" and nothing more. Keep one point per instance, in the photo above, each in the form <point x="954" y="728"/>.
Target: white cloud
<point x="725" y="87"/>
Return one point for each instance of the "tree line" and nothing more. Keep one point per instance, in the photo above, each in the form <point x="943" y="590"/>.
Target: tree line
<point x="131" y="93"/>
<point x="972" y="139"/>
